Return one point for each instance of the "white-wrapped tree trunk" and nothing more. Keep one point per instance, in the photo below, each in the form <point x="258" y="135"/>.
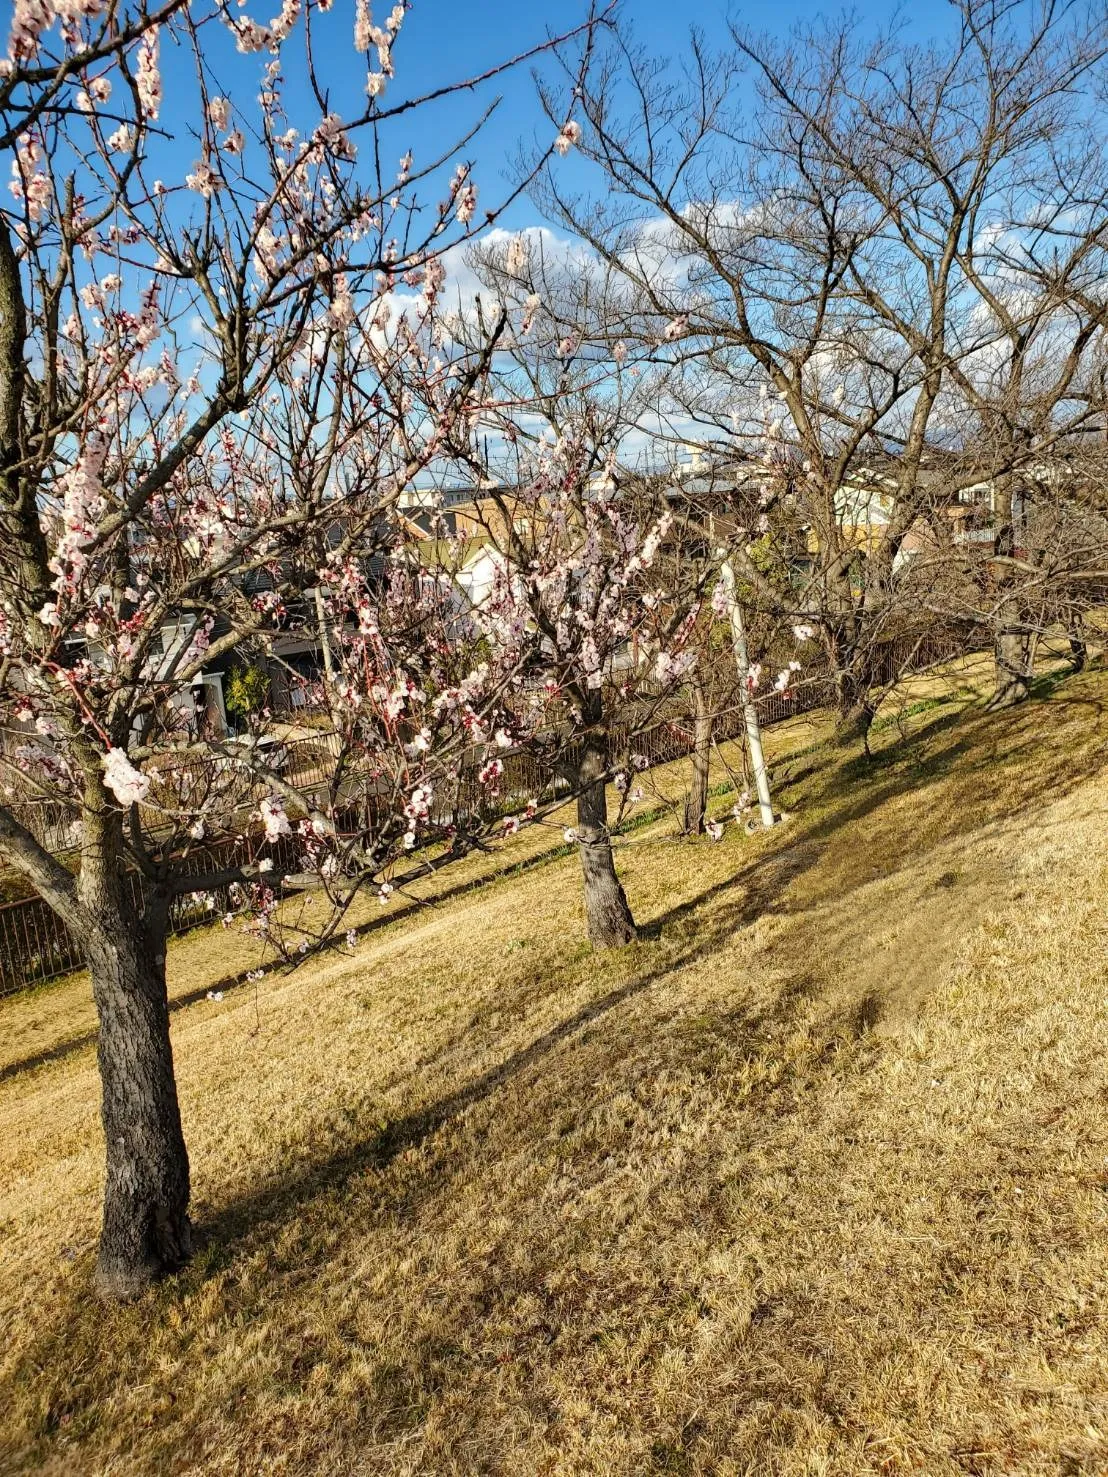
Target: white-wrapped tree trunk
<point x="746" y="696"/>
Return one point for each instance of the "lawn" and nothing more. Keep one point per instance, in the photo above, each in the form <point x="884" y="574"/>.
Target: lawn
<point x="812" y="1180"/>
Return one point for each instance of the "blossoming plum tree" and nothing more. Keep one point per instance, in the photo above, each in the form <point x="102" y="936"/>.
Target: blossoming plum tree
<point x="216" y="378"/>
<point x="902" y="250"/>
<point x="578" y="543"/>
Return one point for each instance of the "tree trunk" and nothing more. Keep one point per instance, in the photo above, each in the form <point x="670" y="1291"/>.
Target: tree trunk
<point x="856" y="708"/>
<point x="1079" y="652"/>
<point x="746" y="697"/>
<point x="324" y="636"/>
<point x="1012" y="641"/>
<point x="609" y="917"/>
<point x="854" y="723"/>
<point x="146" y="1230"/>
<point x="1012" y="661"/>
<point x="696" y="802"/>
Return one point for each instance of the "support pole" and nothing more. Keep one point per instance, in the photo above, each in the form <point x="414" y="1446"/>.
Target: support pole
<point x="746" y="696"/>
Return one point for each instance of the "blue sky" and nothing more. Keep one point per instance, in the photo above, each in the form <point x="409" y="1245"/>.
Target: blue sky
<point x="446" y="40"/>
<point x="443" y="42"/>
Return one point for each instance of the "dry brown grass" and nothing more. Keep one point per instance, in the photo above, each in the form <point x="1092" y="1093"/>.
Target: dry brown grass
<point x="811" y="1181"/>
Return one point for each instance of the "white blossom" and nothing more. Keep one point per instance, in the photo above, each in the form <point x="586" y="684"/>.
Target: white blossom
<point x="568" y="137"/>
<point x="274" y="819"/>
<point x="121" y="777"/>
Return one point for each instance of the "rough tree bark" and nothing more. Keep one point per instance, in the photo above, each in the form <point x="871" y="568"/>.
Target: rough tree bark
<point x="856" y="707"/>
<point x="146" y="1230"/>
<point x="610" y="922"/>
<point x="1011" y="639"/>
<point x="1012" y="663"/>
<point x="696" y="801"/>
<point x="1079" y="651"/>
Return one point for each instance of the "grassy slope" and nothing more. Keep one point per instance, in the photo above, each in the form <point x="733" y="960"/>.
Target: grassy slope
<point x="812" y="1180"/>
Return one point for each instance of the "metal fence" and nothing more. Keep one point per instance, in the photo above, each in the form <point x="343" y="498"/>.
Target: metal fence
<point x="36" y="946"/>
<point x="192" y="783"/>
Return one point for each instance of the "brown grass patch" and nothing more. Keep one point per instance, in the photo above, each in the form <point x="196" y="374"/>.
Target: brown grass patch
<point x="810" y="1181"/>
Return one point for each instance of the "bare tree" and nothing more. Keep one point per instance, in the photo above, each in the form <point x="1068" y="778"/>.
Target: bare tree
<point x="825" y="266"/>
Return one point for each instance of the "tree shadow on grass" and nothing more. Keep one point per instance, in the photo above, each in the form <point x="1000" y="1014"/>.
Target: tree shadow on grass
<point x="48" y="1055"/>
<point x="677" y="939"/>
<point x="971" y="760"/>
<point x="859" y="788"/>
<point x="908" y="764"/>
<point x="757" y="888"/>
<point x="59" y="1365"/>
<point x="271" y="1201"/>
<point x="266" y="1206"/>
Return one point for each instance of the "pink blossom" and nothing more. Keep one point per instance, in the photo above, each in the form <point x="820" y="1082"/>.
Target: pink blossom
<point x="363" y="26"/>
<point x="29" y="19"/>
<point x="331" y="133"/>
<point x="251" y="36"/>
<point x="33" y="189"/>
<point x="280" y="27"/>
<point x="341" y="311"/>
<point x="515" y="258"/>
<point x="219" y="113"/>
<point x="531" y="305"/>
<point x="466" y="203"/>
<point x="203" y="180"/>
